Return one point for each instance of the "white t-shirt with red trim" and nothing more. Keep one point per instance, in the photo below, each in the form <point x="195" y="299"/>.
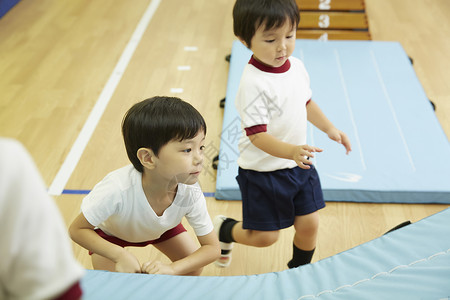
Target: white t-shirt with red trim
<point x="118" y="206"/>
<point x="273" y="100"/>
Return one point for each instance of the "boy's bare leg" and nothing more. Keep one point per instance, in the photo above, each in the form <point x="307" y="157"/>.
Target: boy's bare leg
<point x="179" y="247"/>
<point x="230" y="230"/>
<point x="304" y="244"/>
<point x="254" y="238"/>
<point x="306" y="228"/>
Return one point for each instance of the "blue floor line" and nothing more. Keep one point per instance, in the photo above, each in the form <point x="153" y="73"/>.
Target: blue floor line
<point x="76" y="192"/>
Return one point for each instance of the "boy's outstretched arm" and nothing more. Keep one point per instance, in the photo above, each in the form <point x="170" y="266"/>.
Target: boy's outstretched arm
<point x="208" y="252"/>
<point x="318" y="119"/>
<point x="273" y="146"/>
<point x="82" y="232"/>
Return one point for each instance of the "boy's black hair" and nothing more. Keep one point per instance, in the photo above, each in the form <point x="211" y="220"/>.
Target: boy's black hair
<point x="249" y="15"/>
<point x="154" y="122"/>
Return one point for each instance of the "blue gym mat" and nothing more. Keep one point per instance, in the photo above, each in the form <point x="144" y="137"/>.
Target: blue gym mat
<point x="370" y="91"/>
<point x="410" y="263"/>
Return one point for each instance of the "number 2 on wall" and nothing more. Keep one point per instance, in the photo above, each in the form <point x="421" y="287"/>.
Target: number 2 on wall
<point x="324" y="4"/>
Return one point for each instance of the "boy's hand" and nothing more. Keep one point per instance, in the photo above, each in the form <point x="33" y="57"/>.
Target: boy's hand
<point x="127" y="263"/>
<point x="157" y="267"/>
<point x="340" y="137"/>
<point x="302" y="153"/>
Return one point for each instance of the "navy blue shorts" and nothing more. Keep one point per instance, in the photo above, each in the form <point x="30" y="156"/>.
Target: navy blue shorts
<point x="272" y="200"/>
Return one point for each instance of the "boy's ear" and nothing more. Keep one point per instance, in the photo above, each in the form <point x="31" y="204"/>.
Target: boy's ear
<point x="146" y="157"/>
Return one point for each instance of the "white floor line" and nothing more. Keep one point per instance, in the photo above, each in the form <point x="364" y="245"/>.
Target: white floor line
<point x="176" y="90"/>
<point x="184" y="68"/>
<point x="191" y="48"/>
<point x="71" y="161"/>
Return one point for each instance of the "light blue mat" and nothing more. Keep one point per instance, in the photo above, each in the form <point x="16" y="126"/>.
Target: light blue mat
<point x="370" y="91"/>
<point x="410" y="263"/>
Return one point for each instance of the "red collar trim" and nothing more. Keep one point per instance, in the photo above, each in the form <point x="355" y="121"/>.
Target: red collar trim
<point x="265" y="68"/>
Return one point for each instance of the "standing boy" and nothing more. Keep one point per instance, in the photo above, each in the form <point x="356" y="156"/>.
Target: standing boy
<point x="144" y="203"/>
<point x="280" y="186"/>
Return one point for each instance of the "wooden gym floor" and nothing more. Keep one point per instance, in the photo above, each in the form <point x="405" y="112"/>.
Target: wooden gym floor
<point x="56" y="57"/>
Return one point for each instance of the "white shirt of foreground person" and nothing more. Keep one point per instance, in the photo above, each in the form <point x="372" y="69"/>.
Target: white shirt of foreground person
<point x="36" y="258"/>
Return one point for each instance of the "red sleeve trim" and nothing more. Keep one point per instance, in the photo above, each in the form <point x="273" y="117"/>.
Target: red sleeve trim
<point x="73" y="293"/>
<point x="256" y="129"/>
<point x="307" y="102"/>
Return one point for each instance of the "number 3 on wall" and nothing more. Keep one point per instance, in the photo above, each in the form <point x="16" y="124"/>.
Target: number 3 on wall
<point x="324" y="4"/>
<point x="324" y="21"/>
